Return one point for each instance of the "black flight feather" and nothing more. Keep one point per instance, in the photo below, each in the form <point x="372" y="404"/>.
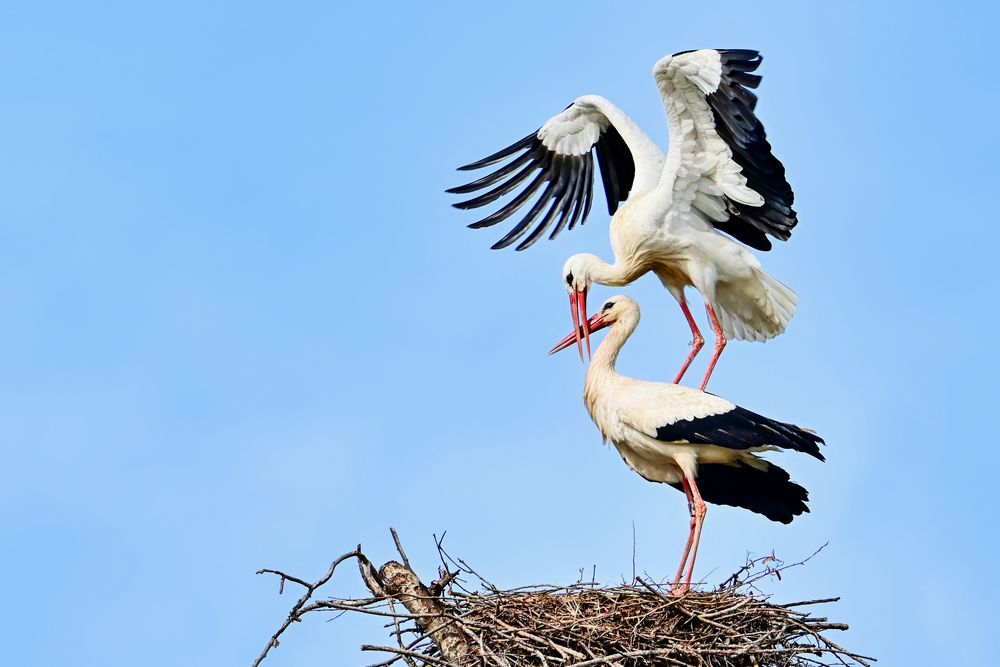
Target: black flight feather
<point x="502" y="153"/>
<point x="570" y="180"/>
<point x="732" y="106"/>
<point x="740" y="428"/>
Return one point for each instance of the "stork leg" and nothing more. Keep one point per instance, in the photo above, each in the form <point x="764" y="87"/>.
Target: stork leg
<point x="697" y="342"/>
<point x="687" y="547"/>
<point x="720" y="344"/>
<point x="698" y="512"/>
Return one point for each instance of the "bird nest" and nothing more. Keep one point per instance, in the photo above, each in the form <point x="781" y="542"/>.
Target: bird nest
<point x="450" y="624"/>
<point x="643" y="625"/>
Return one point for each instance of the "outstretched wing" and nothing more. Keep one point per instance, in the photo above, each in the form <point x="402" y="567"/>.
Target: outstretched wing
<point x="724" y="169"/>
<point x="559" y="156"/>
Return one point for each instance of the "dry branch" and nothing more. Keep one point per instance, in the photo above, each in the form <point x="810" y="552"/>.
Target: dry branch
<point x="448" y="624"/>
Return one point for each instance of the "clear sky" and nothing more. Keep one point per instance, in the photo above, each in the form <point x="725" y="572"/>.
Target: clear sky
<point x="241" y="327"/>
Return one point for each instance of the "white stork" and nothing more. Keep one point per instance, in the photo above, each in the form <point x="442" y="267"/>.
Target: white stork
<point x="718" y="176"/>
<point x="687" y="438"/>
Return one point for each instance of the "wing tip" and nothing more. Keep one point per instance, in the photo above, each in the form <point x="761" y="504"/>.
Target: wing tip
<point x="523" y="143"/>
<point x="738" y="125"/>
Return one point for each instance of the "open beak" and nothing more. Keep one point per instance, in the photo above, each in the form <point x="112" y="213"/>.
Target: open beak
<point x="595" y="323"/>
<point x="578" y="309"/>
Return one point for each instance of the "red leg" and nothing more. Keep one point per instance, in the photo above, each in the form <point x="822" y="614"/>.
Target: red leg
<point x="699" y="518"/>
<point x="720" y="344"/>
<point x="696" y="342"/>
<point x="675" y="587"/>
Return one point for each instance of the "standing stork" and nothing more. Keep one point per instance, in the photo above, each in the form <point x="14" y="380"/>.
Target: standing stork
<point x="718" y="176"/>
<point x="691" y="440"/>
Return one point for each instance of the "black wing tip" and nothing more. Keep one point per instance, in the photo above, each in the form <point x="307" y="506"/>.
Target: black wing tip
<point x="503" y="153"/>
<point x="817" y="443"/>
<point x="560" y="192"/>
<point x="529" y="156"/>
<point x="739" y="428"/>
<point x="792" y="436"/>
<point x="730" y="55"/>
<point x="805" y="441"/>
<point x="559" y="197"/>
<point x="810" y="444"/>
<point x="733" y="108"/>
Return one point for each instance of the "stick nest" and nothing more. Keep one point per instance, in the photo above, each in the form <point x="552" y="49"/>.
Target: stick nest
<point x="455" y="623"/>
<point x="643" y="625"/>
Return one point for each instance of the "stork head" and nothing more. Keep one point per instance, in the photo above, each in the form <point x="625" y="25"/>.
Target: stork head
<point x="613" y="310"/>
<point x="576" y="274"/>
<point x="617" y="308"/>
<point x="577" y="270"/>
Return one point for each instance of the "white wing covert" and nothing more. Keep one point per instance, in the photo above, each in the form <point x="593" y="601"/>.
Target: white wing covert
<point x="648" y="406"/>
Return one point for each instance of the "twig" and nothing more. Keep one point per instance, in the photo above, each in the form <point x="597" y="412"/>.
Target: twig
<point x="293" y="615"/>
<point x="402" y="651"/>
<point x="808" y="602"/>
<point x="399" y="548"/>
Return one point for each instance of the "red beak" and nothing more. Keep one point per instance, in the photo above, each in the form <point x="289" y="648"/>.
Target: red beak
<point x="578" y="309"/>
<point x="595" y="323"/>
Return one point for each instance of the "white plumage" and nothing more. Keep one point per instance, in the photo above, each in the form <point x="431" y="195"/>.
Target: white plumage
<point x="718" y="176"/>
<point x="693" y="440"/>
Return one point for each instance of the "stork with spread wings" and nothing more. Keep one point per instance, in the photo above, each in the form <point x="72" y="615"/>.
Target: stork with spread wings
<point x="682" y="215"/>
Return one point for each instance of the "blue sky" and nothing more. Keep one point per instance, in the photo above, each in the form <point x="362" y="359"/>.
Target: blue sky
<point x="240" y="326"/>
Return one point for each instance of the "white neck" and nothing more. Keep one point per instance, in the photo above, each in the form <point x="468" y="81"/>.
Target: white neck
<point x="622" y="272"/>
<point x="599" y="387"/>
<point x="607" y="274"/>
<point x="603" y="362"/>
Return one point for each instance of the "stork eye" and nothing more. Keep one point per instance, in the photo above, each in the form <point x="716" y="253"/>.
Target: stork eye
<point x="569" y="278"/>
<point x="607" y="306"/>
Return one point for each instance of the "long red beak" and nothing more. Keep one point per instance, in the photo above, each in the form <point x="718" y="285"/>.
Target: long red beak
<point x="595" y="323"/>
<point x="578" y="309"/>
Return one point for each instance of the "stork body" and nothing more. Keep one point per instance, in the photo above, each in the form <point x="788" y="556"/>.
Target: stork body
<point x="694" y="441"/>
<point x="718" y="176"/>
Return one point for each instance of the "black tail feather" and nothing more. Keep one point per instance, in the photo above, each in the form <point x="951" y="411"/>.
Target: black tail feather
<point x="769" y="492"/>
